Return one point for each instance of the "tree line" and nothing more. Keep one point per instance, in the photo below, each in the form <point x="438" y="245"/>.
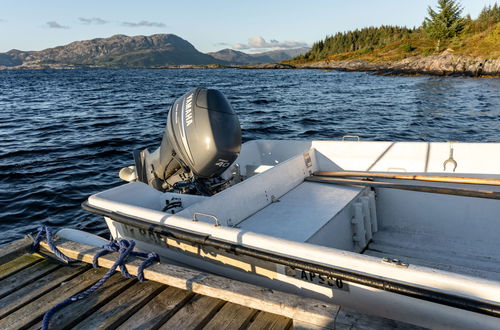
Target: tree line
<point x="440" y="26"/>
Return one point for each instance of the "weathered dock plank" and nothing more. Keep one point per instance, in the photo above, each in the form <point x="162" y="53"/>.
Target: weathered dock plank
<point x="34" y="290"/>
<point x="158" y="310"/>
<point x="348" y="319"/>
<point x="195" y="314"/>
<point x="81" y="309"/>
<point x="15" y="249"/>
<point x="25" y="276"/>
<point x="11" y="267"/>
<point x="252" y="296"/>
<point x="116" y="311"/>
<point x="33" y="312"/>
<point x="231" y="316"/>
<point x="270" y="321"/>
<point x="192" y="299"/>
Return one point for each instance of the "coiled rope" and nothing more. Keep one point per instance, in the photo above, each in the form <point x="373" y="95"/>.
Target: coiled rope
<point x="123" y="247"/>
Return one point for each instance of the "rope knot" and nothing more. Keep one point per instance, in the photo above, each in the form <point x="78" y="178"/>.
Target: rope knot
<point x="48" y="237"/>
<point x="123" y="247"/>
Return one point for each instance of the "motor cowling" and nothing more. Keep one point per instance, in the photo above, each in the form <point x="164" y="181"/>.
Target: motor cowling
<point x="202" y="137"/>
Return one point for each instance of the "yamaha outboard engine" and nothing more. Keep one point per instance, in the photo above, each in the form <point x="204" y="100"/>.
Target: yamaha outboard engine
<point x="202" y="139"/>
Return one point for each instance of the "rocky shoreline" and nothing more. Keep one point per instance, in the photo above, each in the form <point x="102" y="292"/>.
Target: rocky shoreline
<point x="445" y="64"/>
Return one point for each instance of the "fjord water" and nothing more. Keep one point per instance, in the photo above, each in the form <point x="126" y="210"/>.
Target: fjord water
<point x="65" y="134"/>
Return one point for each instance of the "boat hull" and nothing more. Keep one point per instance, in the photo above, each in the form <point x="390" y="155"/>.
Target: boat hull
<point x="445" y="275"/>
<point x="269" y="275"/>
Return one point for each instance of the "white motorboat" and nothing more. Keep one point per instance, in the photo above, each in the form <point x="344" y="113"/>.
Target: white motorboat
<point x="403" y="230"/>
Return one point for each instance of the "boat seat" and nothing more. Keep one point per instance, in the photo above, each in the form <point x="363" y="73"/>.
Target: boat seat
<point x="302" y="212"/>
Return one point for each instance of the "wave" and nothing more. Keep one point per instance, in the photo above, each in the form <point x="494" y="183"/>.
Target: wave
<point x="65" y="134"/>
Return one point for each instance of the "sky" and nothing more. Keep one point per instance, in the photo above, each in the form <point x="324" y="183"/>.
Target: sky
<point x="211" y="25"/>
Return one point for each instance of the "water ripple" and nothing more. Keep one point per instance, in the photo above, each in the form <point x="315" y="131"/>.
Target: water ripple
<point x="65" y="133"/>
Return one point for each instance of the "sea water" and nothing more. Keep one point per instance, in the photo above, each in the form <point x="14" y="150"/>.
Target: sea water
<point x="65" y="134"/>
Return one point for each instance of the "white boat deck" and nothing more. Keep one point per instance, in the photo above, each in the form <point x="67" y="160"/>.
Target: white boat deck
<point x="436" y="251"/>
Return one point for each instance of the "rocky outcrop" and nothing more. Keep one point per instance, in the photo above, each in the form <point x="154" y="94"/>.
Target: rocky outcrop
<point x="444" y="64"/>
<point x="266" y="66"/>
<point x="232" y="66"/>
<point x="448" y="63"/>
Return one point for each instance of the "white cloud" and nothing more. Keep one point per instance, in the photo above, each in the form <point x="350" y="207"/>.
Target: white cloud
<point x="55" y="25"/>
<point x="143" y="23"/>
<point x="258" y="42"/>
<point x="93" y="20"/>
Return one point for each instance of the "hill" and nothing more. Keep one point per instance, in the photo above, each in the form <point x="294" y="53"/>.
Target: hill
<point x="468" y="51"/>
<point x="121" y="51"/>
<point x="231" y="56"/>
<point x="116" y="51"/>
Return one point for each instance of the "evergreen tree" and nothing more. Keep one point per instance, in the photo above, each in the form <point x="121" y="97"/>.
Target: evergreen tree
<point x="490" y="15"/>
<point x="358" y="40"/>
<point x="445" y="23"/>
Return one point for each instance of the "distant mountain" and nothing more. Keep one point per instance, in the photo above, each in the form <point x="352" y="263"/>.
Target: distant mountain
<point x="121" y="51"/>
<point x="284" y="54"/>
<point x="116" y="51"/>
<point x="236" y="57"/>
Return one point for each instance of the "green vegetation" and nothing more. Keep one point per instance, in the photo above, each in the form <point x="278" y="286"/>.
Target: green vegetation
<point x="444" y="28"/>
<point x="364" y="41"/>
<point x="445" y="23"/>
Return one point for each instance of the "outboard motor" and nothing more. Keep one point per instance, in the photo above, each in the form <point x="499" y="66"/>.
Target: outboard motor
<point x="202" y="139"/>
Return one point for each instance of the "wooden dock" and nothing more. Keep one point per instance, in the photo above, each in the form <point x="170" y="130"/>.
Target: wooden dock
<point x="173" y="297"/>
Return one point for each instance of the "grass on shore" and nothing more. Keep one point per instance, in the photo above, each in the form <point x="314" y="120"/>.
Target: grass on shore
<point x="482" y="44"/>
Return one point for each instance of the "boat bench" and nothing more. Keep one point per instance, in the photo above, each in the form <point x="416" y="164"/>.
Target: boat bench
<point x="302" y="213"/>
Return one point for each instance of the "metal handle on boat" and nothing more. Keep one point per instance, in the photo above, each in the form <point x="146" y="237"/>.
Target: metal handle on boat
<point x="217" y="222"/>
<point x="450" y="160"/>
<point x="350" y="137"/>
